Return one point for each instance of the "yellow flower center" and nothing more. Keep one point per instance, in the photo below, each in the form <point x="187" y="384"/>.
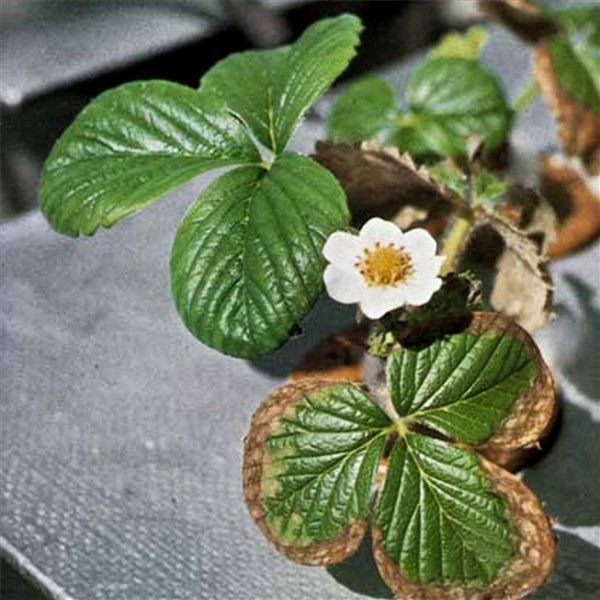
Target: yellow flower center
<point x="384" y="265"/>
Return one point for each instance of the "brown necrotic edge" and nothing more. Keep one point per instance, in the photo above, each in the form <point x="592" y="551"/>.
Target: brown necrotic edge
<point x="264" y="420"/>
<point x="533" y="414"/>
<point x="578" y="127"/>
<point x="527" y="571"/>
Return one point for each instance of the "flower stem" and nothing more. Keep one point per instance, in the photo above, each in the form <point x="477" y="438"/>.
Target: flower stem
<point x="525" y="97"/>
<point x="455" y="240"/>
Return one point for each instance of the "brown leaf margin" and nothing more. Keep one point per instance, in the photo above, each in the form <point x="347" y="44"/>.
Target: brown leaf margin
<point x="534" y="413"/>
<point x="527" y="571"/>
<point x="263" y="422"/>
<point x="578" y="127"/>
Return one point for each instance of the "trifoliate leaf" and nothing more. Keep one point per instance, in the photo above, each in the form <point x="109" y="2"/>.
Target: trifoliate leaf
<point x="246" y="265"/>
<point x="364" y="109"/>
<point x="310" y="462"/>
<point x="465" y="385"/>
<point x="452" y="99"/>
<point x="438" y="517"/>
<point x="129" y="147"/>
<point x="461" y="45"/>
<point x="270" y="90"/>
<point x="447" y="523"/>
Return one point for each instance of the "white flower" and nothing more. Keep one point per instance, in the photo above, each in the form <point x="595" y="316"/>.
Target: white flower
<point x="382" y="268"/>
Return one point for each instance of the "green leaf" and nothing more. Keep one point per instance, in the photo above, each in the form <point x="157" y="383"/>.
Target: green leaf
<point x="272" y="89"/>
<point x="130" y="146"/>
<point x="576" y="67"/>
<point x="453" y="99"/>
<point x="461" y="45"/>
<point x="362" y="110"/>
<point x="246" y="265"/>
<point x="484" y="186"/>
<point x="463" y="385"/>
<point x="321" y="461"/>
<point x="439" y="518"/>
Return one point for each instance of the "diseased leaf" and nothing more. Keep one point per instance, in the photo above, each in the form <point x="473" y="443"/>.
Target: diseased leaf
<point x="364" y="109"/>
<point x="570" y="85"/>
<point x="453" y="99"/>
<point x="525" y="18"/>
<point x="378" y="181"/>
<point x="574" y="202"/>
<point x="465" y="385"/>
<point x="461" y="45"/>
<point x="522" y="286"/>
<point x="129" y="147"/>
<point x="309" y="466"/>
<point x="438" y="517"/>
<point x="534" y="548"/>
<point x="246" y="264"/>
<point x="272" y="89"/>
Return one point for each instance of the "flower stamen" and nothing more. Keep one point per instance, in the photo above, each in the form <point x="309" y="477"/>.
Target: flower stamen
<point x="384" y="265"/>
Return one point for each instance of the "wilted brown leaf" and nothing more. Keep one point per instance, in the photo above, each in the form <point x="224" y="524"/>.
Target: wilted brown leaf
<point x="520" y="16"/>
<point x="522" y="287"/>
<point x="578" y="126"/>
<point x="576" y="205"/>
<point x="379" y="181"/>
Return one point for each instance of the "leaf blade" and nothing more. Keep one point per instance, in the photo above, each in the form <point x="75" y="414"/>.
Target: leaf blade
<point x="271" y="90"/>
<point x="246" y="264"/>
<point x="130" y="146"/>
<point x="466" y="385"/>
<point x="309" y="466"/>
<point x="438" y="518"/>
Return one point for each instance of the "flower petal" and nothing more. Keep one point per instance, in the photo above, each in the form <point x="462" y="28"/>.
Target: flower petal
<point x="342" y="248"/>
<point x="344" y="285"/>
<point x="420" y="292"/>
<point x="379" y="230"/>
<point x="377" y="301"/>
<point x="427" y="267"/>
<point x="419" y="243"/>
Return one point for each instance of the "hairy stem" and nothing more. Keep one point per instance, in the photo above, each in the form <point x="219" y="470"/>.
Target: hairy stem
<point x="455" y="240"/>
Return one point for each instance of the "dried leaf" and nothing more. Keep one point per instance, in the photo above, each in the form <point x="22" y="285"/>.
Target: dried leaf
<point x="575" y="203"/>
<point x="522" y="286"/>
<point x="524" y="18"/>
<point x="578" y="125"/>
<point x="379" y="181"/>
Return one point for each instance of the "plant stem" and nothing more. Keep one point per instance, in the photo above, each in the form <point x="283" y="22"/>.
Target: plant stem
<point x="526" y="95"/>
<point x="455" y="240"/>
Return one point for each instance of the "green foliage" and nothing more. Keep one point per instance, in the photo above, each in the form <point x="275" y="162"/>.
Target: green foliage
<point x="365" y="108"/>
<point x="449" y="99"/>
<point x="129" y="147"/>
<point x="576" y="67"/>
<point x="480" y="187"/>
<point x="271" y="90"/>
<point x="246" y="264"/>
<point x="456" y="45"/>
<point x="239" y="286"/>
<point x="439" y="518"/>
<point x="453" y="99"/>
<point x="462" y="385"/>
